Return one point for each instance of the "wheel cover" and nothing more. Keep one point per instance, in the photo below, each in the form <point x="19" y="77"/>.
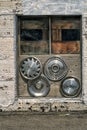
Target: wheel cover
<point x="30" y="68"/>
<point x="39" y="87"/>
<point x="70" y="87"/>
<point x="55" y="68"/>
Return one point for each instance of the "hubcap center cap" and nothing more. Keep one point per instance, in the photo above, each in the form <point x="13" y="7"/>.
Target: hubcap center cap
<point x="55" y="68"/>
<point x="39" y="85"/>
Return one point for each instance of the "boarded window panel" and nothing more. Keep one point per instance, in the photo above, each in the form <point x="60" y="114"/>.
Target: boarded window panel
<point x="66" y="38"/>
<point x="34" y="23"/>
<point x="34" y="35"/>
<point x="37" y="48"/>
<point x="70" y="47"/>
<point x="54" y="35"/>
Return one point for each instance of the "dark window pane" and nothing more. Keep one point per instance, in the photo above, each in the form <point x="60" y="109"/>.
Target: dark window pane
<point x="31" y="34"/>
<point x="70" y="34"/>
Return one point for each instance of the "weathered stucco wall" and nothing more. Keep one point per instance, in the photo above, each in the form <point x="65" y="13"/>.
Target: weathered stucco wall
<point x="8" y="86"/>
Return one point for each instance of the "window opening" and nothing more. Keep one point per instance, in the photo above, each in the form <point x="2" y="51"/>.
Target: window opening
<point x="49" y="56"/>
<point x="66" y="35"/>
<point x="34" y="36"/>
